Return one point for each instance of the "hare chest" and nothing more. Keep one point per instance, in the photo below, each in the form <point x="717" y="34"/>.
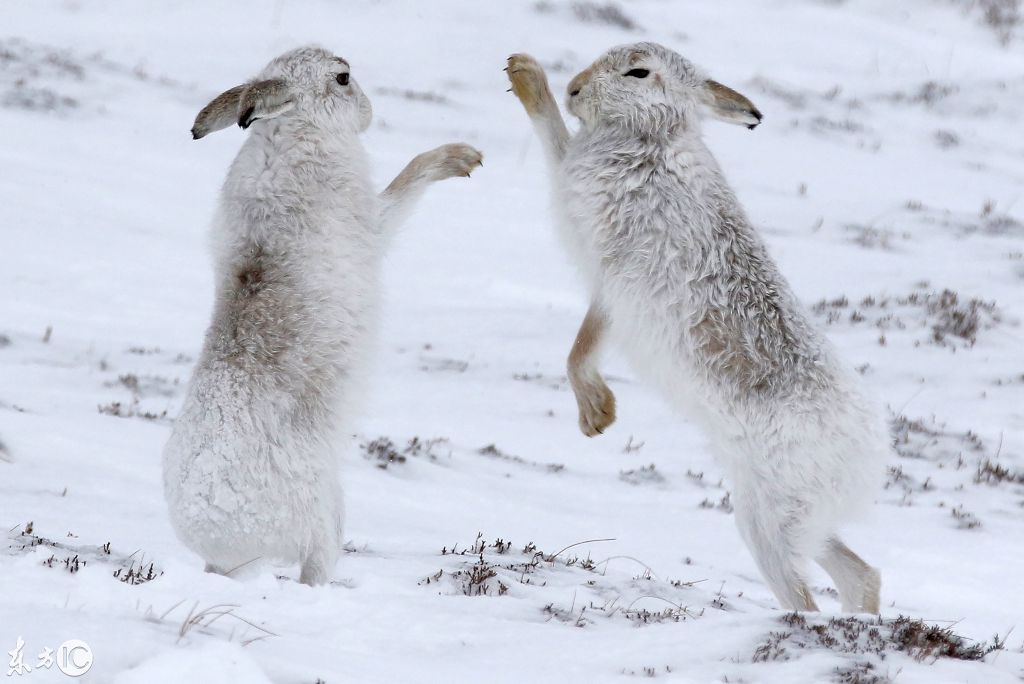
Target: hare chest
<point x="639" y="226"/>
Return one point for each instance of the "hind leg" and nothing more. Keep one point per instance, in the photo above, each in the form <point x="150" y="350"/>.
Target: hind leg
<point x="318" y="560"/>
<point x="320" y="555"/>
<point x="771" y="540"/>
<point x="858" y="583"/>
<point x="316" y="567"/>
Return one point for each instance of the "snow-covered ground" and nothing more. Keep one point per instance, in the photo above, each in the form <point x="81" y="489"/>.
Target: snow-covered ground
<point x="889" y="170"/>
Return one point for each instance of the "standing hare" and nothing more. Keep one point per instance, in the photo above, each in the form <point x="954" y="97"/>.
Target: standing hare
<point x="680" y="277"/>
<point x="251" y="467"/>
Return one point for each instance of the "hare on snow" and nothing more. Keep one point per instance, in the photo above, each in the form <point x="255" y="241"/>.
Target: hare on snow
<point x="679" y="276"/>
<point x="250" y="469"/>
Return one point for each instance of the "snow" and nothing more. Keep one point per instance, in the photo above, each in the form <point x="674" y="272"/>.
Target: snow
<point x="890" y="156"/>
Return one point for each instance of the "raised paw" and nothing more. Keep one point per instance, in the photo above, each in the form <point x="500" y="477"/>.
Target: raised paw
<point x="597" y="407"/>
<point x="455" y="159"/>
<point x="529" y="83"/>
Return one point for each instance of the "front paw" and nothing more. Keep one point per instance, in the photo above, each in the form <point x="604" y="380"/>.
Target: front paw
<point x="455" y="159"/>
<point x="597" y="407"/>
<point x="529" y="83"/>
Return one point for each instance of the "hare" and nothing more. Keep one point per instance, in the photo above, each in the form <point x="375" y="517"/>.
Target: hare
<point x="680" y="278"/>
<point x="251" y="467"/>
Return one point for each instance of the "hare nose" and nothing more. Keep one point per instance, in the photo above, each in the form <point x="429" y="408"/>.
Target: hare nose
<point x="577" y="83"/>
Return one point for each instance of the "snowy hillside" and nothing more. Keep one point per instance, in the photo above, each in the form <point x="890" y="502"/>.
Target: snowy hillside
<point x="488" y="539"/>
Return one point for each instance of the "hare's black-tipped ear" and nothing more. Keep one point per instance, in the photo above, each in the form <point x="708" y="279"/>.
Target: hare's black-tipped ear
<point x="220" y="113"/>
<point x="263" y="100"/>
<point x="726" y="104"/>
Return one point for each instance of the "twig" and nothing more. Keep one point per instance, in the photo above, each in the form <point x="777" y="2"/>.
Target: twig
<point x="552" y="557"/>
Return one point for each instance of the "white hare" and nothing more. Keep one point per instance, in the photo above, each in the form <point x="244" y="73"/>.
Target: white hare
<point x="251" y="467"/>
<point x="683" y="281"/>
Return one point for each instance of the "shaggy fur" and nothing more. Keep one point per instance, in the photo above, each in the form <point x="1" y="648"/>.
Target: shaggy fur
<point x="250" y="470"/>
<point x="685" y="284"/>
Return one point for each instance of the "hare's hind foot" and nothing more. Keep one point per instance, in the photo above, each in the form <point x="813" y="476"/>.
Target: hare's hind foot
<point x="529" y="83"/>
<point x="858" y="583"/>
<point x="596" y="404"/>
<point x="772" y="542"/>
<point x="317" y="565"/>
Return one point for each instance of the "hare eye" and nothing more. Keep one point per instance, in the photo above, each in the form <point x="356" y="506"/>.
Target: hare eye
<point x="638" y="73"/>
<point x="342" y="79"/>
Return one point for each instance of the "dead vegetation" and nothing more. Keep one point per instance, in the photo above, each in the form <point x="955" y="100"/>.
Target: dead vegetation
<point x="71" y="564"/>
<point x="644" y="475"/>
<point x="481" y="576"/>
<point x="137" y="571"/>
<point x="555" y="382"/>
<point x="724" y="504"/>
<point x="132" y="569"/>
<point x="871" y="237"/>
<point x="926" y="438"/>
<point x="202" y="619"/>
<point x="867" y="642"/>
<point x="965" y="520"/>
<point x="141" y="388"/>
<point x="40" y="78"/>
<point x="947" y="319"/>
<point x="991" y="220"/>
<point x="492" y="451"/>
<point x="946" y="139"/>
<point x="146" y="385"/>
<point x="33" y="76"/>
<point x="928" y="94"/>
<point x="648" y="672"/>
<point x="607" y="13"/>
<point x="940" y="466"/>
<point x="993" y="473"/>
<point x="130" y="409"/>
<point x="1002" y="17"/>
<point x="384" y="453"/>
<point x="428" y="97"/>
<point x="498" y="569"/>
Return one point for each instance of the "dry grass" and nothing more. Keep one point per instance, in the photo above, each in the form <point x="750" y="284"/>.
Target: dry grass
<point x="867" y="641"/>
<point x="201" y="619"/>
<point x="132" y="569"/>
<point x="1003" y="17"/>
<point x="384" y="453"/>
<point x="130" y="409"/>
<point x="492" y="451"/>
<point x="644" y="475"/>
<point x="948" y="319"/>
<point x="993" y="473"/>
<point x="137" y="572"/>
<point x="607" y="13"/>
<point x="415" y="95"/>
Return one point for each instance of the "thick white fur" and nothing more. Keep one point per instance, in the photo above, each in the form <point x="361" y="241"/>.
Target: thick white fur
<point x="251" y="467"/>
<point x="693" y="297"/>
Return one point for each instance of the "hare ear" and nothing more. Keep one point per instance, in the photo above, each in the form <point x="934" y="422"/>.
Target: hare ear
<point x="220" y="113"/>
<point x="264" y="100"/>
<point x="726" y="104"/>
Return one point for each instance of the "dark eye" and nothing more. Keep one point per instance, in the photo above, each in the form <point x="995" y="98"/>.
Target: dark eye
<point x="342" y="78"/>
<point x="638" y="73"/>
